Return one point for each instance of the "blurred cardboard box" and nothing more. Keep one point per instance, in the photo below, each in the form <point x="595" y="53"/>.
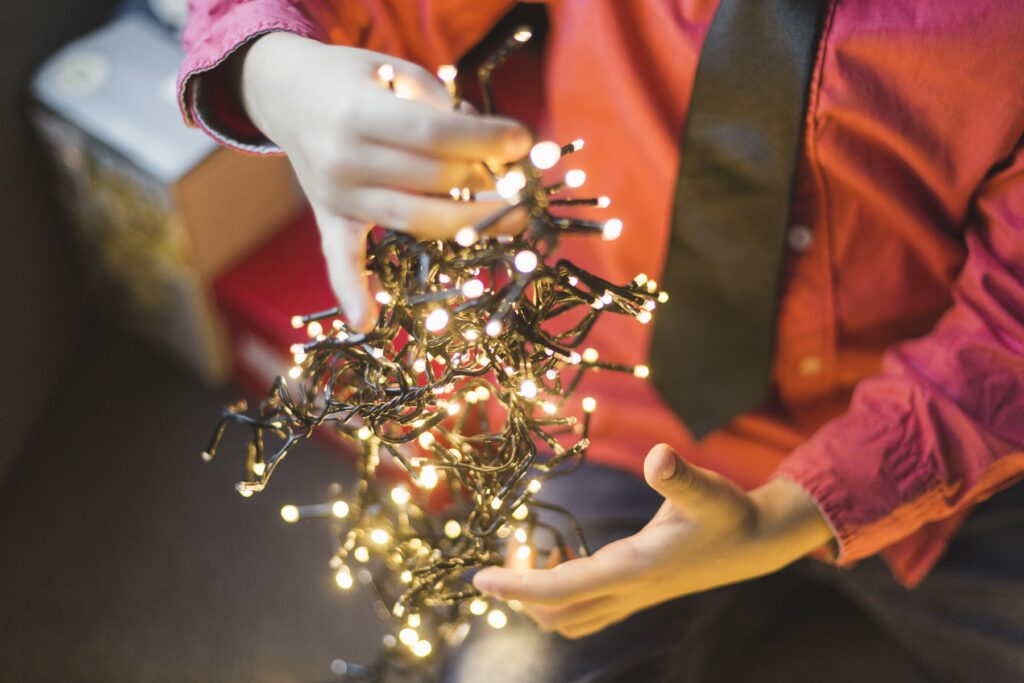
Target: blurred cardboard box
<point x="159" y="210"/>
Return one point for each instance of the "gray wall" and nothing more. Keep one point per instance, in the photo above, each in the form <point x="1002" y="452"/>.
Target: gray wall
<point x="40" y="305"/>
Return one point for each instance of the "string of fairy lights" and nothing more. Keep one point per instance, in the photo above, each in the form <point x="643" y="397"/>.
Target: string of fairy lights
<point x="459" y="403"/>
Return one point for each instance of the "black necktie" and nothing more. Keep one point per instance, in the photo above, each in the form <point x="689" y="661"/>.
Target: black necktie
<point x="712" y="345"/>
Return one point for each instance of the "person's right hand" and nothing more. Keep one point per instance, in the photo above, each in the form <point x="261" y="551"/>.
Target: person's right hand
<point x="365" y="155"/>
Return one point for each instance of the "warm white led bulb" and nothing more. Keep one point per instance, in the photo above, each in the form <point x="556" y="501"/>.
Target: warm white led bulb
<point x="509" y="185"/>
<point x="477" y="606"/>
<point x="545" y="154"/>
<point x="528" y="388"/>
<point x="471" y="289"/>
<point x="343" y="578"/>
<point x="497" y="619"/>
<point x="533" y="486"/>
<point x="523" y="35"/>
<point x="452" y="529"/>
<point x="339" y="509"/>
<point x="428" y="477"/>
<point x="314" y="329"/>
<point x="644" y="317"/>
<point x="589" y="404"/>
<point x="575" y="178"/>
<point x="290" y="514"/>
<point x="408" y="636"/>
<point x="447" y="73"/>
<point x="493" y="328"/>
<point x="383" y="298"/>
<point x="526" y="261"/>
<point x="426" y="440"/>
<point x="422" y="648"/>
<point x="400" y="495"/>
<point x="380" y="536"/>
<point x="364" y="433"/>
<point x="437" y="320"/>
<point x="590" y="355"/>
<point x="612" y="229"/>
<point x="641" y="371"/>
<point x="603" y="202"/>
<point x="466" y="236"/>
<point x="386" y="73"/>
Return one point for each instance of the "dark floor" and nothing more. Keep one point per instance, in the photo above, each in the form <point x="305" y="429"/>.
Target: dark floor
<point x="124" y="558"/>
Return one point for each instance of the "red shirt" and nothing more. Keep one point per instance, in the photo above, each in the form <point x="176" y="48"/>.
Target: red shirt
<point x="899" y="368"/>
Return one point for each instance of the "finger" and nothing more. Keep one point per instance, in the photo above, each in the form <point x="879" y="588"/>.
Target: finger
<point x="689" y="488"/>
<point x="553" y="618"/>
<point x="343" y="242"/>
<point x="418" y="127"/>
<point x="399" y="169"/>
<point x="426" y="217"/>
<point x="572" y="581"/>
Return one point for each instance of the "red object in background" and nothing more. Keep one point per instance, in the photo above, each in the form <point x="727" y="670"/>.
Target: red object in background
<point x="258" y="297"/>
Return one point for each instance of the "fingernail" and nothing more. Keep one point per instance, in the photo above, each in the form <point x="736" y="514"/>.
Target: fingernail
<point x="669" y="469"/>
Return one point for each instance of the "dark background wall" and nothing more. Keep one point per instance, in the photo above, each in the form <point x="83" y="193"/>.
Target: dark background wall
<point x="40" y="305"/>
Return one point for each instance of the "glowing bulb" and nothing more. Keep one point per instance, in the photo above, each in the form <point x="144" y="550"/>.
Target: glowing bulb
<point x="523" y="552"/>
<point x="362" y="554"/>
<point x="258" y="468"/>
<point x="437" y="320"/>
<point x="533" y="486"/>
<point x="426" y="439"/>
<point x="508" y="185"/>
<point x="343" y="578"/>
<point x="526" y="261"/>
<point x="405" y="577"/>
<point x="644" y="317"/>
<point x="478" y="606"/>
<point x="297" y="322"/>
<point x="414" y="620"/>
<point x="471" y="335"/>
<point x="408" y="636"/>
<point x="612" y="229"/>
<point x="640" y="279"/>
<point x="575" y="178"/>
<point x="419" y="365"/>
<point x="652" y="286"/>
<point x="597" y="304"/>
<point x="520" y="535"/>
<point x="400" y="495"/>
<point x="551" y="374"/>
<point x="482" y="393"/>
<point x="295" y="349"/>
<point x="383" y="298"/>
<point x="452" y="529"/>
<point x="447" y="73"/>
<point x="523" y="35"/>
<point x="339" y="509"/>
<point x="575" y="358"/>
<point x="245" y="493"/>
<point x="295" y="372"/>
<point x="589" y="404"/>
<point x="549" y="407"/>
<point x="422" y="648"/>
<point x="299" y="358"/>
<point x="493" y="328"/>
<point x="497" y="619"/>
<point x="650" y="305"/>
<point x="577" y="144"/>
<point x="521" y="513"/>
<point x="386" y="73"/>
<point x="290" y="514"/>
<point x="662" y="297"/>
<point x="641" y="371"/>
<point x="528" y="388"/>
<point x="603" y="202"/>
<point x="379" y="536"/>
<point x="428" y="477"/>
<point x="314" y="329"/>
<point x="364" y="433"/>
<point x="590" y="355"/>
<point x="545" y="154"/>
<point x="496" y="503"/>
<point x="471" y="289"/>
<point x="466" y="236"/>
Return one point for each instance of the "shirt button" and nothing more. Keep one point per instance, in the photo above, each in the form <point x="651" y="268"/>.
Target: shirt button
<point x="811" y="365"/>
<point x="799" y="238"/>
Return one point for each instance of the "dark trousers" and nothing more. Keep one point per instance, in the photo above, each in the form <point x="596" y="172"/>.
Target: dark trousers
<point x="810" y="622"/>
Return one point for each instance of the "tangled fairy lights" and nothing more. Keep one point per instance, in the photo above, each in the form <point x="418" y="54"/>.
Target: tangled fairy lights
<point x="456" y="401"/>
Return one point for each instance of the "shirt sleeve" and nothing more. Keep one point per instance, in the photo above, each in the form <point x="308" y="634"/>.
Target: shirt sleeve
<point x="941" y="426"/>
<point x="429" y="33"/>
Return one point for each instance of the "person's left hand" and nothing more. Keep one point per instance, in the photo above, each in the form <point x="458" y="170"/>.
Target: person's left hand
<point x="708" y="533"/>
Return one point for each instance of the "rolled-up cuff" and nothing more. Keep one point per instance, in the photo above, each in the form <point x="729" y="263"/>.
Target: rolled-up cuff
<point x="206" y="99"/>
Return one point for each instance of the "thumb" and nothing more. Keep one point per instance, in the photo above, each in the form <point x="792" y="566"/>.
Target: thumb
<point x="343" y="241"/>
<point x="687" y="487"/>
